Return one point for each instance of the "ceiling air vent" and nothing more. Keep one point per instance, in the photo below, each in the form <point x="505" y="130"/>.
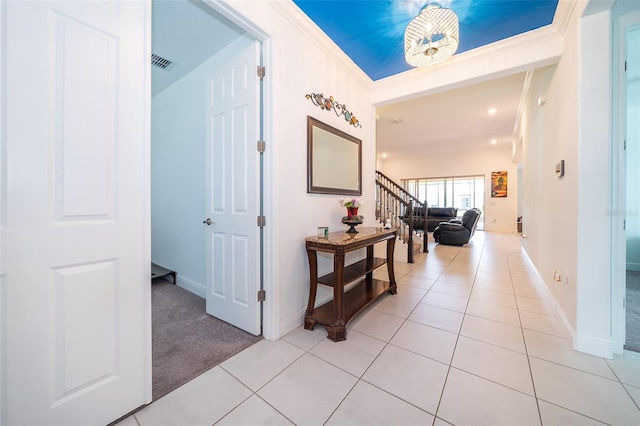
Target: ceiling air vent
<point x="161" y="62"/>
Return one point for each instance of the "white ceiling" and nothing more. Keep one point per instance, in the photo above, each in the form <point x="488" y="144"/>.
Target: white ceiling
<point x="186" y="33"/>
<point x="189" y="32"/>
<point x="454" y="120"/>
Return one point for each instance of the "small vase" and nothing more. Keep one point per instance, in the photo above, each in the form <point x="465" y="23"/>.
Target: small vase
<point x="352" y="211"/>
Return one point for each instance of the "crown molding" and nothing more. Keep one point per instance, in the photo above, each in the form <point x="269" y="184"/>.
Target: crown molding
<point x="564" y="10"/>
<point x="296" y="17"/>
<point x="543" y="46"/>
<point x="533" y="49"/>
<point x="516" y="135"/>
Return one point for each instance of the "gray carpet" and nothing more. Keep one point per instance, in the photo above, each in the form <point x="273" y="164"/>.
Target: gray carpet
<point x="186" y="341"/>
<point x="633" y="311"/>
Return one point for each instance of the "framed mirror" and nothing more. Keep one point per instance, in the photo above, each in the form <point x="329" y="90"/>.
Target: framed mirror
<point x="334" y="160"/>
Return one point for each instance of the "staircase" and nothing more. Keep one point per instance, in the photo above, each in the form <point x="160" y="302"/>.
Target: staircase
<point x="395" y="204"/>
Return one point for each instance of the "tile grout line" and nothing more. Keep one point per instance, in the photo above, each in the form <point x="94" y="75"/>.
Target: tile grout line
<point x="524" y="341"/>
<point x="453" y="352"/>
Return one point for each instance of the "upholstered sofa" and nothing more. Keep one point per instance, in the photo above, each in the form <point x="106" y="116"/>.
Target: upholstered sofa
<point x="457" y="232"/>
<point x="435" y="215"/>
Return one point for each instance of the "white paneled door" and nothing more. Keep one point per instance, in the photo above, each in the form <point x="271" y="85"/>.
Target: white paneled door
<point x="75" y="265"/>
<point x="233" y="188"/>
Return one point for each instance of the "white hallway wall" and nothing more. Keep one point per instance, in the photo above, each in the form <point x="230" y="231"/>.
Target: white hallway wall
<point x="574" y="125"/>
<point x="500" y="214"/>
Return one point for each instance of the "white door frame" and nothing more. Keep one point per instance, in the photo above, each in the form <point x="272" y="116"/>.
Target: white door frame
<point x="270" y="324"/>
<point x="618" y="202"/>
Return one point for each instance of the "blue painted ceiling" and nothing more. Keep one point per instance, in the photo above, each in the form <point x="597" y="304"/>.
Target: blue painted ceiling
<point x="371" y="32"/>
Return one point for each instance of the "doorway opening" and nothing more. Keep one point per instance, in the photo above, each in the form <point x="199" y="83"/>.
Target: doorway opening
<point x="193" y="44"/>
<point x="626" y="193"/>
<point x="632" y="216"/>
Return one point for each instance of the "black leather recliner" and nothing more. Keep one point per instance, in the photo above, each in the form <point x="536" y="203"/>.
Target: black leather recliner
<point x="457" y="232"/>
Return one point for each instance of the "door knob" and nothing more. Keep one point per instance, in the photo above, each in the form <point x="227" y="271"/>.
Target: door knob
<point x="208" y="221"/>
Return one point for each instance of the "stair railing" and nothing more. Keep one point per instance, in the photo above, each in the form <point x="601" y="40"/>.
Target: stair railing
<point x="396" y="205"/>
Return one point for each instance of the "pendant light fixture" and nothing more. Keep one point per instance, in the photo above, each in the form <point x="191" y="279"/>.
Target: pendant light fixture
<point x="432" y="36"/>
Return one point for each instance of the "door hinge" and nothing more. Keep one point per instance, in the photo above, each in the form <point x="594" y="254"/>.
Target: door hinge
<point x="625" y="145"/>
<point x="624" y="224"/>
<point x="262" y="221"/>
<point x="262" y="145"/>
<point x="261" y="71"/>
<point x="262" y="295"/>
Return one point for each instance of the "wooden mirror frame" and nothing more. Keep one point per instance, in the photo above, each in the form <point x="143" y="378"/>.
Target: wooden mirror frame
<point x="321" y="171"/>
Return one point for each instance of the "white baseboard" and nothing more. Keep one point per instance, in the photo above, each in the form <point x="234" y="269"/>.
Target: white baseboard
<point x="598" y="347"/>
<point x="297" y="320"/>
<point x="500" y="230"/>
<point x="633" y="267"/>
<point x="587" y="344"/>
<point x="192" y="286"/>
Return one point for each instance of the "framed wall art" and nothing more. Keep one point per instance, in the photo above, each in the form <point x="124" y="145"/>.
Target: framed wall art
<point x="499" y="184"/>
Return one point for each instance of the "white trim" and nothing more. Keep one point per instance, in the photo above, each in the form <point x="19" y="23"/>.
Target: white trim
<point x="517" y="131"/>
<point x="598" y="347"/>
<point x="562" y="17"/>
<point x="591" y="7"/>
<point x="587" y="344"/>
<point x="270" y="308"/>
<point x="226" y="10"/>
<point x="3" y="193"/>
<point x="290" y="11"/>
<point x="513" y="230"/>
<point x="148" y="345"/>
<point x="192" y="286"/>
<point x="544" y="46"/>
<point x="618" y="191"/>
<point x="550" y="297"/>
<point x="297" y="320"/>
<point x="618" y="184"/>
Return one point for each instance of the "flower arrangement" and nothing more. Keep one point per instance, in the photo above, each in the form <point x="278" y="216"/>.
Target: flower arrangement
<point x="351" y="202"/>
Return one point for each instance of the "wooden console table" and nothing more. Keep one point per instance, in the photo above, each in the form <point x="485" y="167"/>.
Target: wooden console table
<point x="336" y="314"/>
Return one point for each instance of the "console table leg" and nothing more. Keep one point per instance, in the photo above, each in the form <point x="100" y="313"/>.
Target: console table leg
<point x="337" y="330"/>
<point x="313" y="288"/>
<point x="391" y="243"/>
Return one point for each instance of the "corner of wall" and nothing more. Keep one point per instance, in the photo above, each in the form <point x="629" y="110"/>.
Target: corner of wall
<point x="194" y="287"/>
<point x="582" y="343"/>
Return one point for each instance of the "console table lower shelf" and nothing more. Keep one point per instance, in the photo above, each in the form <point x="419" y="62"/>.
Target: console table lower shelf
<point x="335" y="314"/>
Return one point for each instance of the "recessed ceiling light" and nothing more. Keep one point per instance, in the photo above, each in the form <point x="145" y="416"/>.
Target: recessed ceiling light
<point x="384" y="155"/>
<point x="493" y="141"/>
<point x="492" y="111"/>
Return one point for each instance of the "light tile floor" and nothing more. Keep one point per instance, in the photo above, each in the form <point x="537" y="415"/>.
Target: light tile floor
<point x="469" y="339"/>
